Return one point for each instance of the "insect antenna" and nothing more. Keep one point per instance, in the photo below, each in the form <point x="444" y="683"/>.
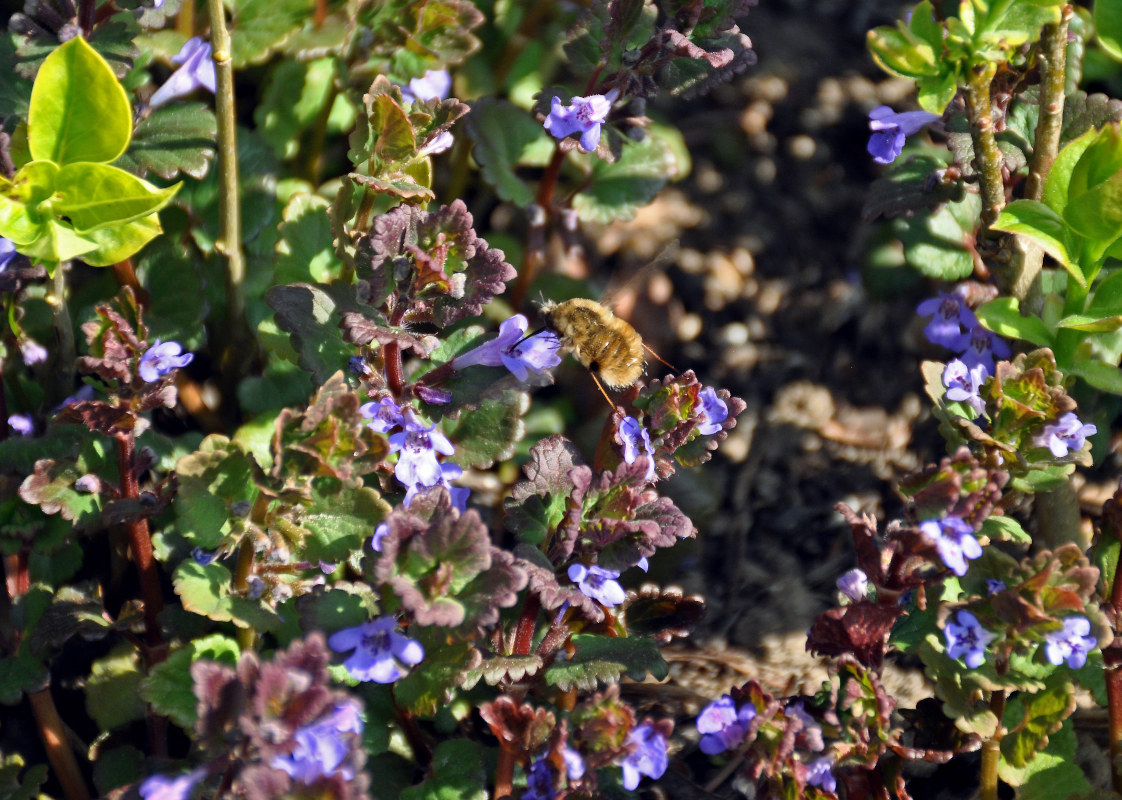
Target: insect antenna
<point x="659" y="358"/>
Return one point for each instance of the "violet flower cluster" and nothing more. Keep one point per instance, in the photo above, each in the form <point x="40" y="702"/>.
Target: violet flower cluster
<point x="967" y="639"/>
<point x="161" y="359"/>
<point x="648" y="756"/>
<point x="514" y="350"/>
<point x="583" y="115"/>
<point x="598" y="583"/>
<point x="381" y="654"/>
<point x="723" y="726"/>
<point x="953" y="325"/>
<point x="418" y="447"/>
<point x="1065" y="435"/>
<point x="1070" y="644"/>
<point x="196" y="71"/>
<point x="321" y="747"/>
<point x="953" y="538"/>
<point x="890" y="130"/>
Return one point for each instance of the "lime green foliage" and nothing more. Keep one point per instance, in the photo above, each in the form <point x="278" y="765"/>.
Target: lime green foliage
<point x="938" y="55"/>
<point x="169" y="686"/>
<point x="67" y="202"/>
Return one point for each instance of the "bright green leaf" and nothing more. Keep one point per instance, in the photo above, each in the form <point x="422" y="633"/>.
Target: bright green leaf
<point x="169" y="686"/>
<point x="117" y="242"/>
<point x="1105" y="377"/>
<point x="93" y="196"/>
<point x="1003" y="317"/>
<point x="305" y="252"/>
<point x="340" y="523"/>
<point x="506" y="138"/>
<point x="1090" y="324"/>
<point x="1039" y="223"/>
<point x="1108" y="26"/>
<point x="111" y="689"/>
<point x="616" y="191"/>
<point x="79" y="111"/>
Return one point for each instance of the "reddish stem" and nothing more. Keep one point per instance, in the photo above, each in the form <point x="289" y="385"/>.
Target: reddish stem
<point x="1112" y="663"/>
<point x="60" y="755"/>
<point x="504" y="770"/>
<point x="140" y="542"/>
<point x="524" y="636"/>
<point x="535" y="241"/>
<point x="125" y="274"/>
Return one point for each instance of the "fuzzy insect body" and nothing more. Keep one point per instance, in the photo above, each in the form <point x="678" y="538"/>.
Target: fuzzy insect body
<point x="602" y="342"/>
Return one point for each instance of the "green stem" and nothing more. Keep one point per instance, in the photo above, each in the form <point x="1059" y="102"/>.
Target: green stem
<point x="987" y="157"/>
<point x="229" y="209"/>
<point x="1028" y="257"/>
<point x="991" y="750"/>
<point x="64" y="329"/>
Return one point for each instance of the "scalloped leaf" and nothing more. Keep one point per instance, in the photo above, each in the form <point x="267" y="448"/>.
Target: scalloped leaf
<point x="458" y="770"/>
<point x="112" y="698"/>
<point x="173" y="139"/>
<point x="169" y="687"/>
<point x="507" y="137"/>
<point x="310" y="314"/>
<point x="617" y="190"/>
<point x="294" y="97"/>
<point x="339" y="523"/>
<point x="430" y="685"/>
<point x="603" y="659"/>
<point x="205" y="590"/>
<point x="212" y="481"/>
<point x="937" y="244"/>
<point x="261" y="27"/>
<point x="1032" y="718"/>
<point x="305" y="253"/>
<point x="488" y="434"/>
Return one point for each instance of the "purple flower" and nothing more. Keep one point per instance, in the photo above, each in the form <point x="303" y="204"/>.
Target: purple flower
<point x="539" y="781"/>
<point x="820" y="773"/>
<point x="993" y="586"/>
<point x="964" y="383"/>
<point x="80" y="396"/>
<point x="647" y="758"/>
<point x="437" y="144"/>
<point x="358" y="365"/>
<point x="632" y="435"/>
<point x="321" y="747"/>
<point x="384" y="415"/>
<point x="890" y="129"/>
<point x="448" y="472"/>
<point x="21" y="424"/>
<point x="1067" y="434"/>
<point x="950" y="319"/>
<point x="574" y="764"/>
<point x="979" y="348"/>
<point x="598" y="583"/>
<point x="381" y="654"/>
<point x="7" y="252"/>
<point x="160" y="787"/>
<point x="968" y="638"/>
<point x="203" y="557"/>
<point x="854" y="584"/>
<point x="954" y="539"/>
<point x="711" y="412"/>
<point x="723" y="726"/>
<point x="1071" y="644"/>
<point x="417" y="464"/>
<point x="536" y="353"/>
<point x="197" y="70"/>
<point x="380" y="533"/>
<point x="433" y="85"/>
<point x="161" y="359"/>
<point x="432" y="395"/>
<point x="584" y="115"/>
<point x="33" y="352"/>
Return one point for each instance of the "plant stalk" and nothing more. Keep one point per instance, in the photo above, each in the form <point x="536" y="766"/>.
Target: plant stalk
<point x="1112" y="666"/>
<point x="140" y="543"/>
<point x="987" y="157"/>
<point x="991" y="750"/>
<point x="229" y="208"/>
<point x="1028" y="257"/>
<point x="59" y="752"/>
<point x="64" y="329"/>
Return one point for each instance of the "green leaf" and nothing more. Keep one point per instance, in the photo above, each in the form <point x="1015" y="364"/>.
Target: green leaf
<point x="1000" y="528"/>
<point x="206" y="590"/>
<point x="1102" y="376"/>
<point x="18" y="674"/>
<point x="1003" y="317"/>
<point x="118" y="242"/>
<point x="212" y="481"/>
<point x="93" y="196"/>
<point x="489" y="433"/>
<point x="506" y="138"/>
<point x="617" y="190"/>
<point x="261" y="27"/>
<point x="1094" y="206"/>
<point x="79" y="111"/>
<point x="1053" y="773"/>
<point x="294" y="98"/>
<point x="1090" y="324"/>
<point x="1045" y="227"/>
<point x="1107" y="298"/>
<point x="602" y="659"/>
<point x="344" y="605"/>
<point x="936" y="243"/>
<point x="338" y="524"/>
<point x="111" y="689"/>
<point x="169" y="686"/>
<point x="458" y="767"/>
<point x="173" y="139"/>
<point x="431" y="683"/>
<point x="15" y="787"/>
<point x="1108" y="27"/>
<point x="899" y="51"/>
<point x="305" y="252"/>
<point x="116" y="767"/>
<point x="310" y="315"/>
